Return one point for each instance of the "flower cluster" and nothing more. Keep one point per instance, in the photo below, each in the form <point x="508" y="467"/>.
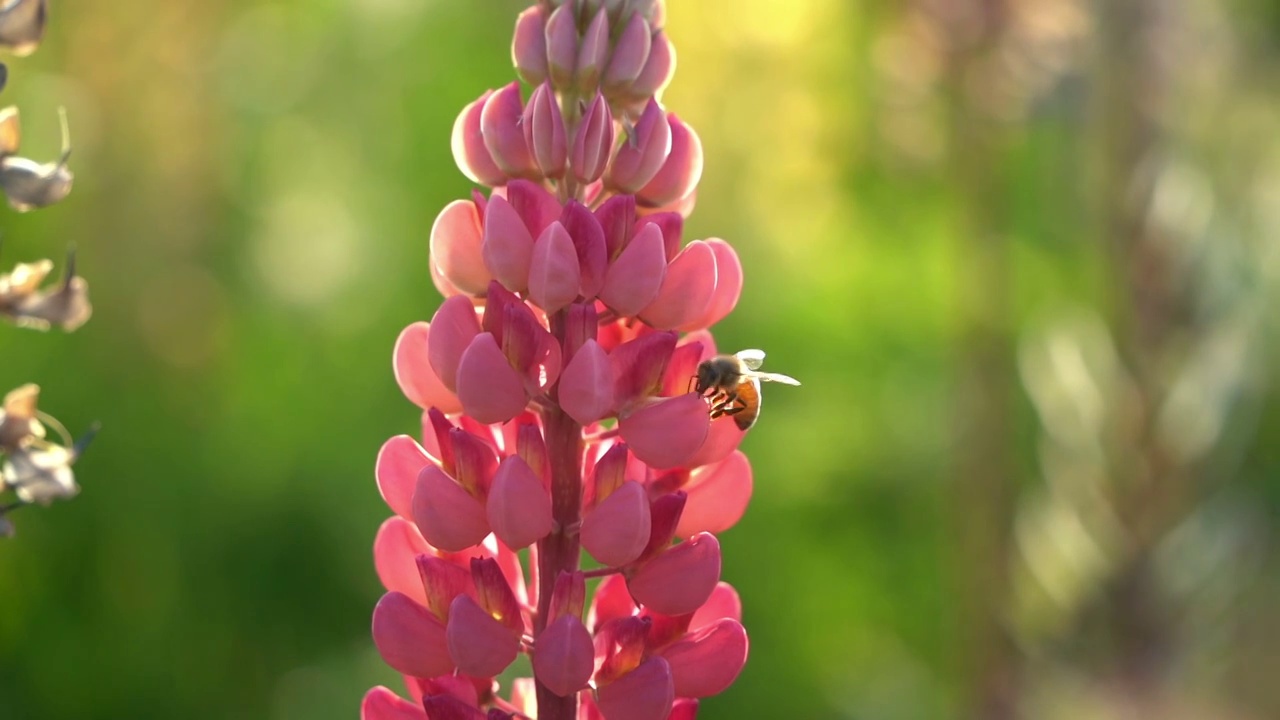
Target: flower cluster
<point x="559" y="414"/>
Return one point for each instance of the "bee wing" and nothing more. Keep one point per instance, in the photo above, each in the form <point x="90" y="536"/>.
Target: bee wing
<point x="776" y="377"/>
<point x="753" y="359"/>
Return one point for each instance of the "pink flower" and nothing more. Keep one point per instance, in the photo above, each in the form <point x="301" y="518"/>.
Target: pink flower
<point x="560" y="414"/>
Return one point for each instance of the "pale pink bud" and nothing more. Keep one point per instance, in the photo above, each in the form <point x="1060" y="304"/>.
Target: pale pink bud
<point x="455" y="326"/>
<point x="686" y="290"/>
<point x="646" y="693"/>
<point x="508" y="246"/>
<point x="448" y="516"/>
<point x="529" y="45"/>
<point x="382" y="704"/>
<point x="636" y="276"/>
<point x="681" y="579"/>
<point x="672" y="227"/>
<point x="490" y="390"/>
<point x="554" y="276"/>
<point x="666" y="432"/>
<point x="718" y="496"/>
<point x="616" y="531"/>
<point x="728" y="283"/>
<point x="413" y="371"/>
<point x="410" y="638"/>
<point x="707" y="661"/>
<point x="479" y="644"/>
<point x="500" y="122"/>
<point x="456" y="247"/>
<point x="519" y="507"/>
<point x="544" y="131"/>
<point x="588" y="241"/>
<point x="723" y="603"/>
<point x="534" y="204"/>
<point x="562" y="46"/>
<point x="397" y="467"/>
<point x="645" y="150"/>
<point x="564" y="658"/>
<point x="680" y="173"/>
<point x="592" y="53"/>
<point x="630" y="52"/>
<point x="592" y="142"/>
<point x="658" y="70"/>
<point x="469" y="151"/>
<point x="638" y="366"/>
<point x="586" y="387"/>
<point x="617" y="216"/>
<point x="395" y="546"/>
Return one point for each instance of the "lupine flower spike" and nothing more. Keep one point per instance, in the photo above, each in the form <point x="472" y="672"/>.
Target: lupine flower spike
<point x="572" y="402"/>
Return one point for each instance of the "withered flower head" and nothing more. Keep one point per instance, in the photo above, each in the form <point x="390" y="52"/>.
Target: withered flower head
<point x="29" y="184"/>
<point x="35" y="469"/>
<point x="65" y="305"/>
<point x="22" y="25"/>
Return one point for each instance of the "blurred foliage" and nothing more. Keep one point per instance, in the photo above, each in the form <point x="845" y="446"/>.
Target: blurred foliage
<point x="255" y="184"/>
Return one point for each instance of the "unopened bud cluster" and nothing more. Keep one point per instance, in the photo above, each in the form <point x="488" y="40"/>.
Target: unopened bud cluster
<point x="558" y="409"/>
<point x="35" y="469"/>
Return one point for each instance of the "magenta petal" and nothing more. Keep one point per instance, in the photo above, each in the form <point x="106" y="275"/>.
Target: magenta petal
<point x="395" y="548"/>
<point x="519" y="507"/>
<point x="679" y="175"/>
<point x="723" y="603"/>
<point x="707" y="662"/>
<point x="446" y="515"/>
<point x="409" y="638"/>
<point x="469" y="152"/>
<point x="413" y="371"/>
<point x="381" y="703"/>
<point x="500" y="126"/>
<point x="564" y="657"/>
<point x="616" y="531"/>
<point x="480" y="645"/>
<point x="529" y="45"/>
<point x="554" y="277"/>
<point x="397" y="467"/>
<point x="586" y="386"/>
<point x="490" y="390"/>
<point x="634" y="279"/>
<point x="728" y="283"/>
<point x="508" y="246"/>
<point x="455" y="247"/>
<point x="686" y="291"/>
<point x="681" y="579"/>
<point x="645" y="693"/>
<point x="665" y="433"/>
<point x="454" y="327"/>
<point x="718" y="496"/>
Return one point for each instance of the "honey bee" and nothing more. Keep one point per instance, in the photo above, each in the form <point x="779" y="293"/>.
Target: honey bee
<point x="732" y="384"/>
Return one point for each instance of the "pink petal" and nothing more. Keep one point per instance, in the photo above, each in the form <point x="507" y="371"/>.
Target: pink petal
<point x="448" y="517"/>
<point x="672" y="227"/>
<point x="562" y="45"/>
<point x="592" y="52"/>
<point x="617" y="530"/>
<point x="686" y="291"/>
<point x="658" y="68"/>
<point x="443" y="286"/>
<point x="524" y="696"/>
<point x="723" y="603"/>
<point x="564" y="656"/>
<point x="611" y="601"/>
<point x="679" y="175"/>
<point x="630" y="51"/>
<point x="469" y="152"/>
<point x="718" y="496"/>
<point x="409" y="638"/>
<point x="593" y="142"/>
<point x="508" y="246"/>
<point x="569" y="595"/>
<point x="638" y="159"/>
<point x="490" y="390"/>
<point x="544" y="131"/>
<point x="519" y="507"/>
<point x="608" y="474"/>
<point x="707" y="662"/>
<point x="480" y="645"/>
<point x="554" y="276"/>
<point x="665" y="433"/>
<point x="728" y="283"/>
<point x="455" y="247"/>
<point x="529" y="45"/>
<point x="494" y="594"/>
<point x="413" y="371"/>
<point x="500" y="122"/>
<point x="682" y="370"/>
<point x="617" y="216"/>
<point x="645" y="693"/>
<point x="723" y="438"/>
<point x="586" y="387"/>
<point x="534" y="204"/>
<point x="638" y="366"/>
<point x="395" y="546"/>
<point x="588" y="241"/>
<point x="681" y="579"/>
<point x="448" y="707"/>
<point x="442" y="580"/>
<point x="381" y="703"/>
<point x="397" y="467"/>
<point x="454" y="327"/>
<point x="634" y="279"/>
<point x="684" y="709"/>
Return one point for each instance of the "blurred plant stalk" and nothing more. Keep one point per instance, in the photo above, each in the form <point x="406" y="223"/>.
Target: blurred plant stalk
<point x="35" y="470"/>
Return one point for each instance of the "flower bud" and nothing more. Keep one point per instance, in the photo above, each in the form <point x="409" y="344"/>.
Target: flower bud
<point x="642" y="155"/>
<point x="592" y="53"/>
<point x="630" y="53"/>
<point x="592" y="142"/>
<point x="564" y="656"/>
<point x="456" y="247"/>
<point x="589" y="244"/>
<point x="680" y="173"/>
<point x="686" y="290"/>
<point x="507" y="246"/>
<point x="455" y="326"/>
<point x="447" y="515"/>
<point x="490" y="390"/>
<point x="519" y="507"/>
<point x="561" y="40"/>
<point x="586" y="387"/>
<point x="658" y="70"/>
<point x="728" y="283"/>
<point x="395" y="546"/>
<point x="410" y="638"/>
<point x="469" y="151"/>
<point x="681" y="579"/>
<point x="413" y="371"/>
<point x="616" y="531"/>
<point x="480" y="645"/>
<point x="634" y="279"/>
<point x="554" y="275"/>
<point x="544" y="131"/>
<point x="500" y="122"/>
<point x="617" y="216"/>
<point x="399" y="462"/>
<point x="529" y="45"/>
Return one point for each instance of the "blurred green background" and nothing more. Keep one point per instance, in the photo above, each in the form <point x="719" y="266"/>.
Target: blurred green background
<point x="1021" y="253"/>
